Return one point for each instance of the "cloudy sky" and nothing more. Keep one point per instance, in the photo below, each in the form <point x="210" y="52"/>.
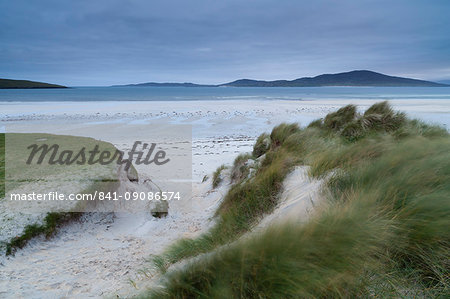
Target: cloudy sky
<point x="104" y="42"/>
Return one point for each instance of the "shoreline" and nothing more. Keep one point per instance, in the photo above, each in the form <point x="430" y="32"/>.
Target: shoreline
<point x="220" y="129"/>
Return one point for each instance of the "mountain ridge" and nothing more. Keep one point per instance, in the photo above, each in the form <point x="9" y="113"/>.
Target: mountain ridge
<point x="352" y="78"/>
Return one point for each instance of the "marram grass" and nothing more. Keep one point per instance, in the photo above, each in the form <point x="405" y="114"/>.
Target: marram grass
<point x="383" y="233"/>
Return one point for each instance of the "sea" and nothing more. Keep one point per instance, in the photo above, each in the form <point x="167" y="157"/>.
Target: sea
<point x="80" y="94"/>
<point x="430" y="104"/>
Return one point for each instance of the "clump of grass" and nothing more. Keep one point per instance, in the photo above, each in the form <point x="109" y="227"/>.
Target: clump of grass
<point x="380" y="108"/>
<point x="348" y="123"/>
<point x="337" y="120"/>
<point x="261" y="146"/>
<point x="47" y="228"/>
<point x="217" y="179"/>
<point x="281" y="132"/>
<point x="380" y="116"/>
<point x="353" y="131"/>
<point x="318" y="123"/>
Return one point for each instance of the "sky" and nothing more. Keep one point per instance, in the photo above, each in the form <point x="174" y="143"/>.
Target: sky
<point x="106" y="42"/>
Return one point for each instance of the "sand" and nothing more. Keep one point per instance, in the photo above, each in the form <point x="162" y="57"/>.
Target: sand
<point x="299" y="199"/>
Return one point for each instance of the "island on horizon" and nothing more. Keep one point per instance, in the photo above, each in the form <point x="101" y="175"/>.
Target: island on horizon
<point x="362" y="78"/>
<point x="26" y="84"/>
<point x="357" y="78"/>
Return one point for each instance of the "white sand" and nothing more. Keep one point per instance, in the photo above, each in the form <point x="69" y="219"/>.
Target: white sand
<point x="100" y="256"/>
<point x="300" y="197"/>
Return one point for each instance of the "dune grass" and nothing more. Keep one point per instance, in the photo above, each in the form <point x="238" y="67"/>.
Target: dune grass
<point x="48" y="228"/>
<point x="328" y="256"/>
<point x="383" y="233"/>
<point x="261" y="145"/>
<point x="410" y="183"/>
<point x="217" y="179"/>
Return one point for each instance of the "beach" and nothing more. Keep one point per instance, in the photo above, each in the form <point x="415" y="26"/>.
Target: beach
<point x="220" y="129"/>
<point x="107" y="255"/>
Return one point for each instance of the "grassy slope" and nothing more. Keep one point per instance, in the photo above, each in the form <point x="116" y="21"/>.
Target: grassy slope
<point x="384" y="232"/>
<point x="242" y="207"/>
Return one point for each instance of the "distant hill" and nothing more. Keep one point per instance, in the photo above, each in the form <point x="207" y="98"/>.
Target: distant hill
<point x="17" y="84"/>
<point x="353" y="78"/>
<point x="154" y="84"/>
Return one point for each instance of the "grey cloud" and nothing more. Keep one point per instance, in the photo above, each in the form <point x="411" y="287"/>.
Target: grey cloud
<point x="110" y="42"/>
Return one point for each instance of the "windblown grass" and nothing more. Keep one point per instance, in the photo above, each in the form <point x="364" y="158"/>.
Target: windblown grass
<point x="384" y="232"/>
<point x="217" y="179"/>
<point x="328" y="256"/>
<point x="261" y="145"/>
<point x="281" y="132"/>
<point x="337" y="120"/>
<point x="411" y="184"/>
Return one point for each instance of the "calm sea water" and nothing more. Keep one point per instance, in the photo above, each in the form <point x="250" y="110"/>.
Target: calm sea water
<point x="80" y="94"/>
